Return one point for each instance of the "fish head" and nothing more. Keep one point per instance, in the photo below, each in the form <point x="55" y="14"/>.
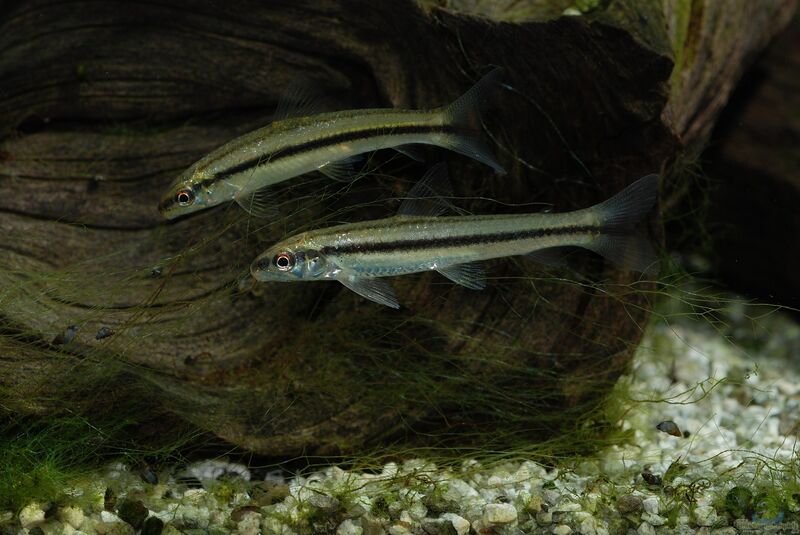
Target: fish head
<point x="188" y="193"/>
<point x="287" y="262"/>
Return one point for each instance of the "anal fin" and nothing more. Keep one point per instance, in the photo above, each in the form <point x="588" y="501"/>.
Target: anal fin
<point x="470" y="275"/>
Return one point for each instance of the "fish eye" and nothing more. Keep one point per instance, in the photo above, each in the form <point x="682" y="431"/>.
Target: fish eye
<point x="284" y="261"/>
<point x="184" y="197"/>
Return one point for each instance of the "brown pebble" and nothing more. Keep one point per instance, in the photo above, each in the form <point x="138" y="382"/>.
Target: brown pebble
<point x="152" y="526"/>
<point x="269" y="493"/>
<point x="109" y="500"/>
<point x="50" y="509"/>
<point x="651" y="479"/>
<point x="629" y="504"/>
<point x="134" y="512"/>
<point x="66" y="335"/>
<point x="103" y="332"/>
<point x="671" y="428"/>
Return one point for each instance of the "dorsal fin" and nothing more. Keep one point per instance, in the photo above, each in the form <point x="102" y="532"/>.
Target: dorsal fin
<point x="427" y="197"/>
<point x="300" y="99"/>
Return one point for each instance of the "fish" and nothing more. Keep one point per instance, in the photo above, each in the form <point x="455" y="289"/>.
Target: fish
<point x="359" y="255"/>
<point x="300" y="141"/>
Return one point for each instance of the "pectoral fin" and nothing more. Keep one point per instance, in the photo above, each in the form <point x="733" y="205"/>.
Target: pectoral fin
<point x="342" y="170"/>
<point x="470" y="275"/>
<point x="412" y="151"/>
<point x="259" y="204"/>
<point x="377" y="290"/>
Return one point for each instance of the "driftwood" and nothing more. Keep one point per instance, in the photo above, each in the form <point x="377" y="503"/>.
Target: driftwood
<point x="754" y="163"/>
<point x="102" y="105"/>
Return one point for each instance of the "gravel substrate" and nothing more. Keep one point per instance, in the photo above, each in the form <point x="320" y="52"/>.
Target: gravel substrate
<point x="714" y="450"/>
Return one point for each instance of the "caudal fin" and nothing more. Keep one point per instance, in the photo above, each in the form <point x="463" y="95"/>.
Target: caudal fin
<point x="621" y="242"/>
<point x="464" y="115"/>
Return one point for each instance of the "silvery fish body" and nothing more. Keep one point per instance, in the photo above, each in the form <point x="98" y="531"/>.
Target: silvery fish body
<point x="416" y="240"/>
<point x="326" y="142"/>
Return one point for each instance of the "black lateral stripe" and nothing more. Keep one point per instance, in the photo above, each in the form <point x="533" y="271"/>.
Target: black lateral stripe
<point x="457" y="241"/>
<point x="344" y="137"/>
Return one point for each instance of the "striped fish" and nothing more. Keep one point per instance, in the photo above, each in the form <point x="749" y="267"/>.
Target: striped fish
<point x="416" y="239"/>
<point x="329" y="142"/>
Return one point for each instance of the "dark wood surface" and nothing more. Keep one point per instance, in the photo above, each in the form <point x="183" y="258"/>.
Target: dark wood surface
<point x="103" y="103"/>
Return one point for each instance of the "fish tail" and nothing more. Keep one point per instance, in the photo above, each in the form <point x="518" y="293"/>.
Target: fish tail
<point x="464" y="115"/>
<point x="620" y="241"/>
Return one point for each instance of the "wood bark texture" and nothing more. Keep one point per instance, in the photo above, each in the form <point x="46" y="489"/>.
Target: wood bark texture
<point x="754" y="163"/>
<point x="103" y="103"/>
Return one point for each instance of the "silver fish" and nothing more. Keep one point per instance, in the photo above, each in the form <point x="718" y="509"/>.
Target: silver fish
<point x="329" y="142"/>
<point x="416" y="239"/>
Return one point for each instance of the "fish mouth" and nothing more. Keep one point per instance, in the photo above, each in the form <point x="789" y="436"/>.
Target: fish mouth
<point x="168" y="206"/>
<point x="163" y="207"/>
<point x="259" y="269"/>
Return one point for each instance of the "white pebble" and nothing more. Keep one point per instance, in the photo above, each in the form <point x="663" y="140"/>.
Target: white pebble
<point x="566" y="507"/>
<point x="461" y="524"/>
<point x="72" y="516"/>
<point x="399" y="529"/>
<point x="250" y="524"/>
<point x="348" y="527"/>
<point x="31" y="515"/>
<point x="562" y="529"/>
<point x="646" y="529"/>
<point x="458" y="490"/>
<point x="655" y="520"/>
<point x="108" y="517"/>
<point x="651" y="505"/>
<point x="705" y="515"/>
<point x="588" y="526"/>
<point x="499" y="513"/>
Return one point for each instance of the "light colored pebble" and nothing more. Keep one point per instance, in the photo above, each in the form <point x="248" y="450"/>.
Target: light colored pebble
<point x="31" y="515"/>
<point x="561" y="529"/>
<point x="499" y="513"/>
<point x="108" y="517"/>
<point x="645" y="529"/>
<point x="250" y="524"/>
<point x="460" y="523"/>
<point x="349" y="527"/>
<point x="588" y="526"/>
<point x="655" y="520"/>
<point x="650" y="505"/>
<point x="705" y="515"/>
<point x="544" y="518"/>
<point x="72" y="516"/>
<point x="399" y="529"/>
